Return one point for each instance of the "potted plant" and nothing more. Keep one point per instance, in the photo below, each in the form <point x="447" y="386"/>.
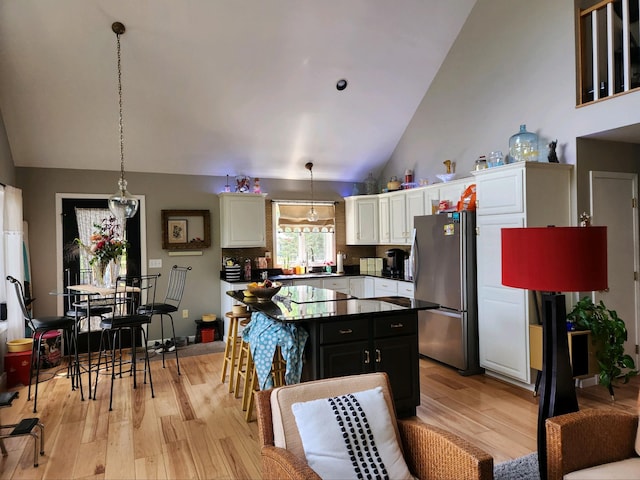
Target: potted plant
<point x="608" y="334"/>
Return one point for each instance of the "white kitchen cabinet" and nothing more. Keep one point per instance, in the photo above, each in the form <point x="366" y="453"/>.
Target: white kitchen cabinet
<point x="242" y="220"/>
<point x="525" y="194"/>
<point x="339" y="284"/>
<point x="311" y="282"/>
<point x="361" y="218"/>
<point x="361" y="287"/>
<point x="226" y="302"/>
<point x="398" y="218"/>
<point x="414" y="206"/>
<point x="405" y="289"/>
<point x="452" y="191"/>
<point x="385" y="287"/>
<point x="383" y="222"/>
<point x="431" y="200"/>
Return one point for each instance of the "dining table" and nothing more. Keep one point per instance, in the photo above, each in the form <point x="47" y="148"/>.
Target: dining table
<point x="88" y="295"/>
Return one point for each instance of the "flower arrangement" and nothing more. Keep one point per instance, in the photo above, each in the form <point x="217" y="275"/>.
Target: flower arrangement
<point x="106" y="242"/>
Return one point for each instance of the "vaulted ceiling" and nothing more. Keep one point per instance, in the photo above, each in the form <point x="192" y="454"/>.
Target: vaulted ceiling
<point x="219" y="87"/>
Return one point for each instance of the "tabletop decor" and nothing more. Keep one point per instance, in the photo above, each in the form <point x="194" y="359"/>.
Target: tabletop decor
<point x="105" y="250"/>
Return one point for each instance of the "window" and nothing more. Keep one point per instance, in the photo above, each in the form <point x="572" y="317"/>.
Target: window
<point x="300" y="242"/>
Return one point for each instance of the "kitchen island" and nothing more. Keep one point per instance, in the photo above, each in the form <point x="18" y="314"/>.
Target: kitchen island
<point x="349" y="336"/>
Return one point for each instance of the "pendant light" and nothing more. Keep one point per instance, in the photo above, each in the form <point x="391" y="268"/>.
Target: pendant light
<point x="312" y="215"/>
<point x="122" y="203"/>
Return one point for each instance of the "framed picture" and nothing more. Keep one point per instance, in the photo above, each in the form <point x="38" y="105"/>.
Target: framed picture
<point x="177" y="230"/>
<point x="186" y="229"/>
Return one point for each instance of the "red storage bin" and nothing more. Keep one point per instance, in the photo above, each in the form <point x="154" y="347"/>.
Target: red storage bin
<point x="18" y="368"/>
<point x="207" y="335"/>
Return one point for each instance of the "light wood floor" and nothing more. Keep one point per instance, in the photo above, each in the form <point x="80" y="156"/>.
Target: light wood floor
<point x="195" y="429"/>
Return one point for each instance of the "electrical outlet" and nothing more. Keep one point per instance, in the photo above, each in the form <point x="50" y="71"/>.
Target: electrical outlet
<point x="267" y="254"/>
<point x="185" y="313"/>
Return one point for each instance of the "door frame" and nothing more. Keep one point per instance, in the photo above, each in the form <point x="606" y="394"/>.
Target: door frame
<point x="59" y="253"/>
<point x="633" y="177"/>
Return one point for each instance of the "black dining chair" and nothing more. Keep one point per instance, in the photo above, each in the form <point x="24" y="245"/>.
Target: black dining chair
<point x="41" y="326"/>
<point x="171" y="303"/>
<point x="127" y="317"/>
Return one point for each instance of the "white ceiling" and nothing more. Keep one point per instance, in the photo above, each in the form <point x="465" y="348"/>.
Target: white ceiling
<point x="219" y="87"/>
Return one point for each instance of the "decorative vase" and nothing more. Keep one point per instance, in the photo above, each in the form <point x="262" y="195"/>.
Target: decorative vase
<point x="112" y="272"/>
<point x="98" y="269"/>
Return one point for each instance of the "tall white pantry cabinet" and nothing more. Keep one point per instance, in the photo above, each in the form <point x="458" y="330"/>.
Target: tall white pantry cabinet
<point x="525" y="194"/>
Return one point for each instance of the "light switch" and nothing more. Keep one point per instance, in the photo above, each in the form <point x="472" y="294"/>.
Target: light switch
<point x="155" y="263"/>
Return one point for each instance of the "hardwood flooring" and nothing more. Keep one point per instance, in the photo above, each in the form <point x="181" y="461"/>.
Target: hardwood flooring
<point x="194" y="428"/>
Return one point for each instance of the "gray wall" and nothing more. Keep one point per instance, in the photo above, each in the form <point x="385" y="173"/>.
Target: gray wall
<point x="513" y="63"/>
<point x="7" y="170"/>
<point x="168" y="192"/>
<point x="604" y="156"/>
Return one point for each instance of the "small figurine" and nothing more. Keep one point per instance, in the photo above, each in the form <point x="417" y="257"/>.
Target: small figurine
<point x="585" y="220"/>
<point x="553" y="158"/>
<point x="256" y="185"/>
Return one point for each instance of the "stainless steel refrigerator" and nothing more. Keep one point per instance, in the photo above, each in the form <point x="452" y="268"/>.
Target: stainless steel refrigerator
<point x="443" y="257"/>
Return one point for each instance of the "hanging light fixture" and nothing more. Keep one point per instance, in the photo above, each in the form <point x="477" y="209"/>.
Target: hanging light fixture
<point x="312" y="215"/>
<point x="122" y="203"/>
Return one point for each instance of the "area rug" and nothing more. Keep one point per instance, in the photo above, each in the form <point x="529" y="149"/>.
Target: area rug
<point x="522" y="468"/>
<point x="191" y="350"/>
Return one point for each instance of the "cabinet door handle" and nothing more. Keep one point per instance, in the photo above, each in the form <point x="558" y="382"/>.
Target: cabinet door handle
<point x="397" y="325"/>
<point x="345" y="332"/>
<point x="367" y="359"/>
<point x="378" y="356"/>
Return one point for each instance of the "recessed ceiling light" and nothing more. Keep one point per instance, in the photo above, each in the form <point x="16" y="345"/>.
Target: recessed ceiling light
<point x="341" y="85"/>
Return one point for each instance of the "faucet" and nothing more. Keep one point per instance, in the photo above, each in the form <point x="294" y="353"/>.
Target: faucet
<point x="312" y="257"/>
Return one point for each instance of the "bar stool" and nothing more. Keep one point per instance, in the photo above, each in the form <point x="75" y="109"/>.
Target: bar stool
<point x="231" y="346"/>
<point x="278" y="368"/>
<point x="244" y="368"/>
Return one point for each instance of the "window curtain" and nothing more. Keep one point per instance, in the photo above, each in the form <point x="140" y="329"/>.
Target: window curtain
<point x="87" y="218"/>
<point x="293" y="217"/>
<point x="14" y="251"/>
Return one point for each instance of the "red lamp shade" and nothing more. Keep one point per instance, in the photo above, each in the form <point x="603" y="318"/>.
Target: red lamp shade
<point x="555" y="259"/>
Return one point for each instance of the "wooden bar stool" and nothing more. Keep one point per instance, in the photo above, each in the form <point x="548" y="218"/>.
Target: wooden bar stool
<point x="244" y="365"/>
<point x="231" y="346"/>
<point x="277" y="371"/>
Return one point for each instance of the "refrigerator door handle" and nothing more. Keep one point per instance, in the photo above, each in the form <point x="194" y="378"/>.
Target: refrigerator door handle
<point x="415" y="263"/>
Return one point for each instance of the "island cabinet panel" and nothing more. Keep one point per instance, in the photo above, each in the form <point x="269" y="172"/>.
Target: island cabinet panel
<point x="387" y="343"/>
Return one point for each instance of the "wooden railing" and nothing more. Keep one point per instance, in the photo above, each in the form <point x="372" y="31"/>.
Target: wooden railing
<point x="609" y="54"/>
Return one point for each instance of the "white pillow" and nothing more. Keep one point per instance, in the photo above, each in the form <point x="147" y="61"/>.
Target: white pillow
<point x="350" y="436"/>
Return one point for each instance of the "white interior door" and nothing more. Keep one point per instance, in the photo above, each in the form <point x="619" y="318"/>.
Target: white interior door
<point x="613" y="204"/>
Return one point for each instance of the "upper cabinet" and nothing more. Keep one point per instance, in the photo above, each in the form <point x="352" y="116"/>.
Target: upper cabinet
<point x="361" y="218"/>
<point x="396" y="211"/>
<point x="242" y="220"/>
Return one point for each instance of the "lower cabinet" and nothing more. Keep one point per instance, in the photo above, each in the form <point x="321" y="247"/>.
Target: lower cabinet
<point x="374" y="344"/>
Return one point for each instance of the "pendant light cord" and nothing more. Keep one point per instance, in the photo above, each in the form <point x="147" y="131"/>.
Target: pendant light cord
<point x="120" y="121"/>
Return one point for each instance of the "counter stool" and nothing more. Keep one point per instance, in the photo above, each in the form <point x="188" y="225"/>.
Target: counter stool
<point x="25" y="427"/>
<point x="231" y="346"/>
<point x="244" y="368"/>
<point x="251" y="385"/>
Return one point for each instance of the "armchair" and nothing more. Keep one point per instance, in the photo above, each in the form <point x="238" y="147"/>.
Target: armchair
<point x="428" y="451"/>
<point x="595" y="438"/>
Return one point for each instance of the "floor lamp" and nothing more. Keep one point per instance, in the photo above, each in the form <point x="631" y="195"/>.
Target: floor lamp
<point x="553" y="260"/>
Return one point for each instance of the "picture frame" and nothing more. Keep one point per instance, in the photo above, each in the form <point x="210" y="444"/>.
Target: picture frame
<point x="186" y="229"/>
<point x="177" y="231"/>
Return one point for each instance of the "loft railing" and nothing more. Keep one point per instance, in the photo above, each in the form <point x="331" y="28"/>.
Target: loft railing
<point x="609" y="54"/>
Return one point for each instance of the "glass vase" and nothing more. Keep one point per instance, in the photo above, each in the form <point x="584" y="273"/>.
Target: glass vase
<point x="523" y="146"/>
<point x="112" y="272"/>
<point x="98" y="270"/>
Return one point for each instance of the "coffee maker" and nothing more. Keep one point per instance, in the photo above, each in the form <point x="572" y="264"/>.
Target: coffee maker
<point x="395" y="263"/>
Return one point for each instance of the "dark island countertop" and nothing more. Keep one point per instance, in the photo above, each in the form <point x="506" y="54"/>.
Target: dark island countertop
<point x="304" y="302"/>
